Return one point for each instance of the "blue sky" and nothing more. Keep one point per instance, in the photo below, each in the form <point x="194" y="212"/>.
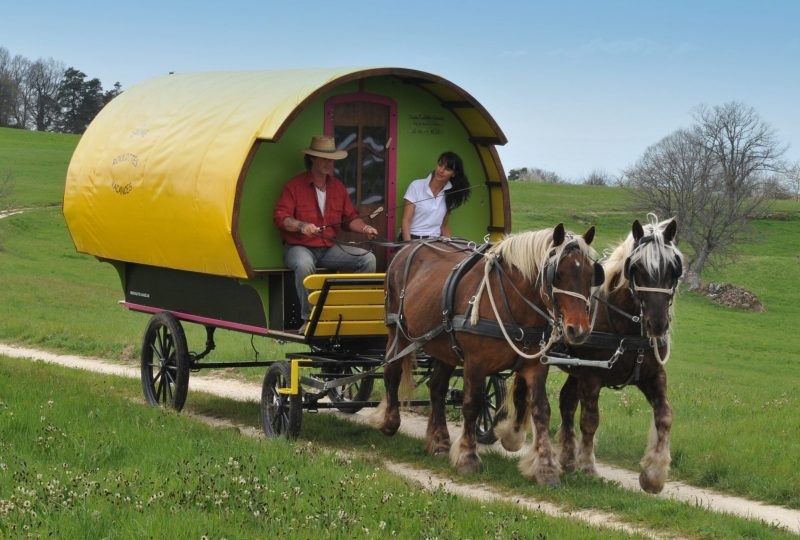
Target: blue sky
<point x="575" y="85"/>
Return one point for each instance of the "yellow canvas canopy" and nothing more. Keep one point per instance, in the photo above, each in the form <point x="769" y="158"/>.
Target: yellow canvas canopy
<point x="155" y="178"/>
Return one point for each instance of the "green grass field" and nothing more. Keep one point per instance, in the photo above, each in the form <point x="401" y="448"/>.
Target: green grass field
<point x="84" y="460"/>
<point x="37" y="163"/>
<point x="733" y="375"/>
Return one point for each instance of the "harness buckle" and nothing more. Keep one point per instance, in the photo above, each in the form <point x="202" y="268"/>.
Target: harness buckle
<point x="446" y="322"/>
<point x="521" y="335"/>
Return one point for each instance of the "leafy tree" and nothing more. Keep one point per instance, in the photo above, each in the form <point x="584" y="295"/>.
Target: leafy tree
<point x="111" y="94"/>
<point x="79" y="100"/>
<point x="534" y="175"/>
<point x="711" y="177"/>
<point x="518" y="174"/>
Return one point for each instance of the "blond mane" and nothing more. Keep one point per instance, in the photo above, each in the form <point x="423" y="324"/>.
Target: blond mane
<point x="656" y="256"/>
<point x="529" y="251"/>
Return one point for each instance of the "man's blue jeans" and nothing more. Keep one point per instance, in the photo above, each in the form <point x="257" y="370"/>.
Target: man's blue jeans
<point x="303" y="261"/>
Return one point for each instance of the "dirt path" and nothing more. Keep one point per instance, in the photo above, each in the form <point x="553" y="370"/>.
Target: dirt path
<point x="415" y="426"/>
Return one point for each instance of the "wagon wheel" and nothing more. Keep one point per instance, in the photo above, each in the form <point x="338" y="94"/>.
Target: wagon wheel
<point x="494" y="396"/>
<point x="359" y="390"/>
<point x="165" y="362"/>
<point x="281" y="414"/>
<point x="490" y="414"/>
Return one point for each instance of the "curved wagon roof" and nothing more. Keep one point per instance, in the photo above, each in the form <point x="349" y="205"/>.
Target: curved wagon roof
<point x="154" y="179"/>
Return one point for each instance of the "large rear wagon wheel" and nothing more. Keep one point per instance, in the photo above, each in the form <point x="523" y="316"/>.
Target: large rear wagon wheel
<point x="492" y="412"/>
<point x="359" y="390"/>
<point x="165" y="362"/>
<point x="281" y="414"/>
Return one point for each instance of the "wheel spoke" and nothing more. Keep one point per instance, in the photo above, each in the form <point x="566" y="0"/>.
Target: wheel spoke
<point x="159" y="388"/>
<point x="169" y="352"/>
<point x="160" y="336"/>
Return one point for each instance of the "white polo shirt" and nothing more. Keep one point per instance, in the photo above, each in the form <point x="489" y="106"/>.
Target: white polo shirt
<point x="429" y="211"/>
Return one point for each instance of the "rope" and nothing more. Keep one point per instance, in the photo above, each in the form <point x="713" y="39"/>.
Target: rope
<point x="555" y="336"/>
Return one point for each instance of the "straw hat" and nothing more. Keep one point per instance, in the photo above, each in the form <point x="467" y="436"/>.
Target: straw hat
<point x="324" y="147"/>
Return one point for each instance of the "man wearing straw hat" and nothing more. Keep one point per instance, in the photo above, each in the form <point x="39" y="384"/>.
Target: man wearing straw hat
<point x="310" y="211"/>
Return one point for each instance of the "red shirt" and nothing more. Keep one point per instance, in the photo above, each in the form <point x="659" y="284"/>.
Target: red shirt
<point x="299" y="201"/>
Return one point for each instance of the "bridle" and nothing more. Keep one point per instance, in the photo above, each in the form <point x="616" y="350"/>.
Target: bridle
<point x="630" y="275"/>
<point x="636" y="290"/>
<point x="549" y="276"/>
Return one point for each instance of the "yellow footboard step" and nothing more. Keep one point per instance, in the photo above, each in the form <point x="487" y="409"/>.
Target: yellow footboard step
<point x="353" y="305"/>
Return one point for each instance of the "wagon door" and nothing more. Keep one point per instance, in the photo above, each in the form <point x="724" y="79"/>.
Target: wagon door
<point x="364" y="125"/>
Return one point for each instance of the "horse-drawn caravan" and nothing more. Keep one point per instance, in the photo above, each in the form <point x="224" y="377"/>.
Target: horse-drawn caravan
<point x="174" y="184"/>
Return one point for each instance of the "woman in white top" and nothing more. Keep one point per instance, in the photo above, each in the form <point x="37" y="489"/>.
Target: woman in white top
<point x="430" y="200"/>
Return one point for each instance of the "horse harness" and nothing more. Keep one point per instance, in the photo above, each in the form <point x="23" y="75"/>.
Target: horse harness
<point x="619" y="342"/>
<point x="455" y="323"/>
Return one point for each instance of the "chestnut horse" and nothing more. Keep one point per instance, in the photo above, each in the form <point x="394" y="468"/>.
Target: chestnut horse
<point x="629" y="345"/>
<point x="538" y="285"/>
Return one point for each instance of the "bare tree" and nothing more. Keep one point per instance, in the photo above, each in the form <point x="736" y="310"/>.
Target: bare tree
<point x="18" y="73"/>
<point x="598" y="177"/>
<point x="43" y="80"/>
<point x="711" y="178"/>
<point x="793" y="180"/>
<point x="8" y="89"/>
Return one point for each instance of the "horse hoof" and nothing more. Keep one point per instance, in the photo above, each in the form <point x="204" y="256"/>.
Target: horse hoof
<point x="439" y="449"/>
<point x="589" y="470"/>
<point x="552" y="483"/>
<point x="470" y="467"/>
<point x="650" y="486"/>
<point x="548" y="480"/>
<point x="389" y="429"/>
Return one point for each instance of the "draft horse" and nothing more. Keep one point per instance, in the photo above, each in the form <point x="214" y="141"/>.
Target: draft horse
<point x="537" y="284"/>
<point x="629" y="345"/>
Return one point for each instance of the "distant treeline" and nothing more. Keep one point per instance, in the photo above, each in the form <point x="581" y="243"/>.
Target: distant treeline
<point x="43" y="95"/>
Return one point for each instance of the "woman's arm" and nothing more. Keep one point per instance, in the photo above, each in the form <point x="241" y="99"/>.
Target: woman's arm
<point x="445" y="226"/>
<point x="408" y="213"/>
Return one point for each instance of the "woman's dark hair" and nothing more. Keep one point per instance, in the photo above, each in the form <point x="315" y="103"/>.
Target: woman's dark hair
<point x="459" y="193"/>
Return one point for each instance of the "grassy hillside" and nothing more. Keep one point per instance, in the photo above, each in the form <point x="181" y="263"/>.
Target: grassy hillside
<point x="733" y="375"/>
<point x="37" y="163"/>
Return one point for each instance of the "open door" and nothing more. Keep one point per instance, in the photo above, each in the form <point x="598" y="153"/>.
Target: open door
<point x="364" y="126"/>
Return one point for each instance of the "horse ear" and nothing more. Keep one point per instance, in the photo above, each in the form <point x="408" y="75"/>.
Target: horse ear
<point x="671" y="231"/>
<point x="588" y="236"/>
<point x="637" y="230"/>
<point x="558" y="235"/>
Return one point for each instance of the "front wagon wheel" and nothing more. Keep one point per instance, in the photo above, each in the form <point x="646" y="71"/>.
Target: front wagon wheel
<point x="165" y="362"/>
<point x="281" y="414"/>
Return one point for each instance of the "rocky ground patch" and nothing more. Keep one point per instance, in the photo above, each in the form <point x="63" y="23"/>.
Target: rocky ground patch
<point x="731" y="296"/>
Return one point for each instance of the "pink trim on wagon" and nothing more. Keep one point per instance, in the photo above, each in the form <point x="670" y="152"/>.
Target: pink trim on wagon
<point x="202" y="320"/>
